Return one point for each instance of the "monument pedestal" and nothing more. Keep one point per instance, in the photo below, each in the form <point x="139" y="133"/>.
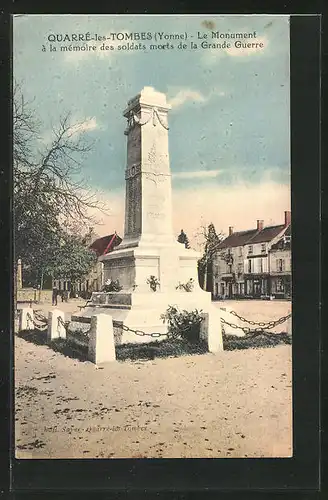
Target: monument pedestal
<point x="171" y="264"/>
<point x="142" y="311"/>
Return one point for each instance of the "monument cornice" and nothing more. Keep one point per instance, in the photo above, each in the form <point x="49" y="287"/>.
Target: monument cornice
<point x="134" y="119"/>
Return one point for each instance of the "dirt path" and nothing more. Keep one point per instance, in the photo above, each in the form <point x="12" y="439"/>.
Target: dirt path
<point x="231" y="404"/>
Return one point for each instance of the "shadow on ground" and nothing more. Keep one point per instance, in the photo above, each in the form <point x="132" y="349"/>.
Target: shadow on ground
<point x="158" y="349"/>
<point x="255" y="341"/>
<point x="38" y="337"/>
<point x="125" y="352"/>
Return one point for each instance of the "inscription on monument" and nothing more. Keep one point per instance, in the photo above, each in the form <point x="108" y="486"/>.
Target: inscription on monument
<point x="156" y="215"/>
<point x="134" y="147"/>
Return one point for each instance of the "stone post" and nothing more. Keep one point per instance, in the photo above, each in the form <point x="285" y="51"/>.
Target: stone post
<point x="211" y="330"/>
<point x="56" y="329"/>
<point x="225" y="313"/>
<point x="26" y="319"/>
<point x="101" y="348"/>
<point x="289" y="326"/>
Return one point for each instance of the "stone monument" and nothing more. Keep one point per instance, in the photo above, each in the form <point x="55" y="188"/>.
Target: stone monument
<point x="149" y="251"/>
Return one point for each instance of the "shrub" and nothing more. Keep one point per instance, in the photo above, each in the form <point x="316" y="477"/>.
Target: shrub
<point x="153" y="283"/>
<point x="112" y="286"/>
<point x="183" y="324"/>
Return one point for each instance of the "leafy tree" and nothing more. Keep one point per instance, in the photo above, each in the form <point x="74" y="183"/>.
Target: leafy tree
<point x="211" y="239"/>
<point x="183" y="238"/>
<point x="72" y="259"/>
<point x="52" y="203"/>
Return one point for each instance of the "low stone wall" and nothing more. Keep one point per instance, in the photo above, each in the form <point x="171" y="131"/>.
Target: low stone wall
<point x="30" y="294"/>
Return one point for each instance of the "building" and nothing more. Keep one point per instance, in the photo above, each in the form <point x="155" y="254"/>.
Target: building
<point x="281" y="266"/>
<point x="242" y="266"/>
<point x="94" y="281"/>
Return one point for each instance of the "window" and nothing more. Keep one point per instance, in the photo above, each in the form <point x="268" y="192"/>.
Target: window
<point x="261" y="266"/>
<point x="250" y="249"/>
<point x="263" y="248"/>
<point x="280" y="264"/>
<point x="249" y="265"/>
<point x="240" y="268"/>
<point x="280" y="286"/>
<point x="240" y="251"/>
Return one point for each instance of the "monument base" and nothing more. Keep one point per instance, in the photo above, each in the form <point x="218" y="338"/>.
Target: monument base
<point x="170" y="264"/>
<point x="142" y="311"/>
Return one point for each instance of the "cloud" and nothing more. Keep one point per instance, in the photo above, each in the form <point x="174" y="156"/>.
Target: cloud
<point x="185" y="95"/>
<point x="197" y="174"/>
<point x="85" y="126"/>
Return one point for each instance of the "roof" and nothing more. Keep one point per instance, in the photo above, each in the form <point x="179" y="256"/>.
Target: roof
<point x="237" y="239"/>
<point x="106" y="244"/>
<point x="251" y="237"/>
<point x="267" y="234"/>
<point x="282" y="244"/>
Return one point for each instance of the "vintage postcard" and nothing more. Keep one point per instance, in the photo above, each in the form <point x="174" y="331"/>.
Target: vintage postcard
<point x="152" y="233"/>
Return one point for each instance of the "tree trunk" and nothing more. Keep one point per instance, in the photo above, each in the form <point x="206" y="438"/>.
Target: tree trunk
<point x="41" y="286"/>
<point x="205" y="278"/>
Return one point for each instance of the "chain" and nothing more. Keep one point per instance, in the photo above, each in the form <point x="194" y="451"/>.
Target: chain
<point x="85" y="305"/>
<point x="245" y="329"/>
<point x="266" y="326"/>
<point x="38" y="327"/>
<point x="140" y="333"/>
<point x="65" y="324"/>
<point x="257" y="330"/>
<point x="40" y="317"/>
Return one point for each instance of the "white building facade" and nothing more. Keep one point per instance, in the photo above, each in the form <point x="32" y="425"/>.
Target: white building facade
<point x="243" y="265"/>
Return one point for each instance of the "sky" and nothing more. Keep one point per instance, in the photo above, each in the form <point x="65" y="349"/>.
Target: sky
<point x="229" y="137"/>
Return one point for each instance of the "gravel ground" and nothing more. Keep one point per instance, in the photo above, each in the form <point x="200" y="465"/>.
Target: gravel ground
<point x="229" y="404"/>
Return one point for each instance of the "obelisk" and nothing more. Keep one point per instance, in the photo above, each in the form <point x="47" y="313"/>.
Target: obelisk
<point x="148" y="206"/>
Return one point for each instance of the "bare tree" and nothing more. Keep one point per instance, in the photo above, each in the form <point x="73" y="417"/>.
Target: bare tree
<point x="50" y="193"/>
<point x="210" y="240"/>
<point x="52" y="167"/>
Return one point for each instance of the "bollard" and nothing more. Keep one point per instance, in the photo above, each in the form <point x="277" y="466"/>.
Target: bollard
<point x="56" y="329"/>
<point x="211" y="330"/>
<point x="101" y="348"/>
<point x="229" y="330"/>
<point x="289" y="326"/>
<point x="26" y="319"/>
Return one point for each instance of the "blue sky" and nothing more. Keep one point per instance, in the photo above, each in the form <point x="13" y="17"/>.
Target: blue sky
<point x="229" y="124"/>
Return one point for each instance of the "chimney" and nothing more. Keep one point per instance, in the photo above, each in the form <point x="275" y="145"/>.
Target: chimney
<point x="288" y="218"/>
<point x="230" y="230"/>
<point x="259" y="225"/>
